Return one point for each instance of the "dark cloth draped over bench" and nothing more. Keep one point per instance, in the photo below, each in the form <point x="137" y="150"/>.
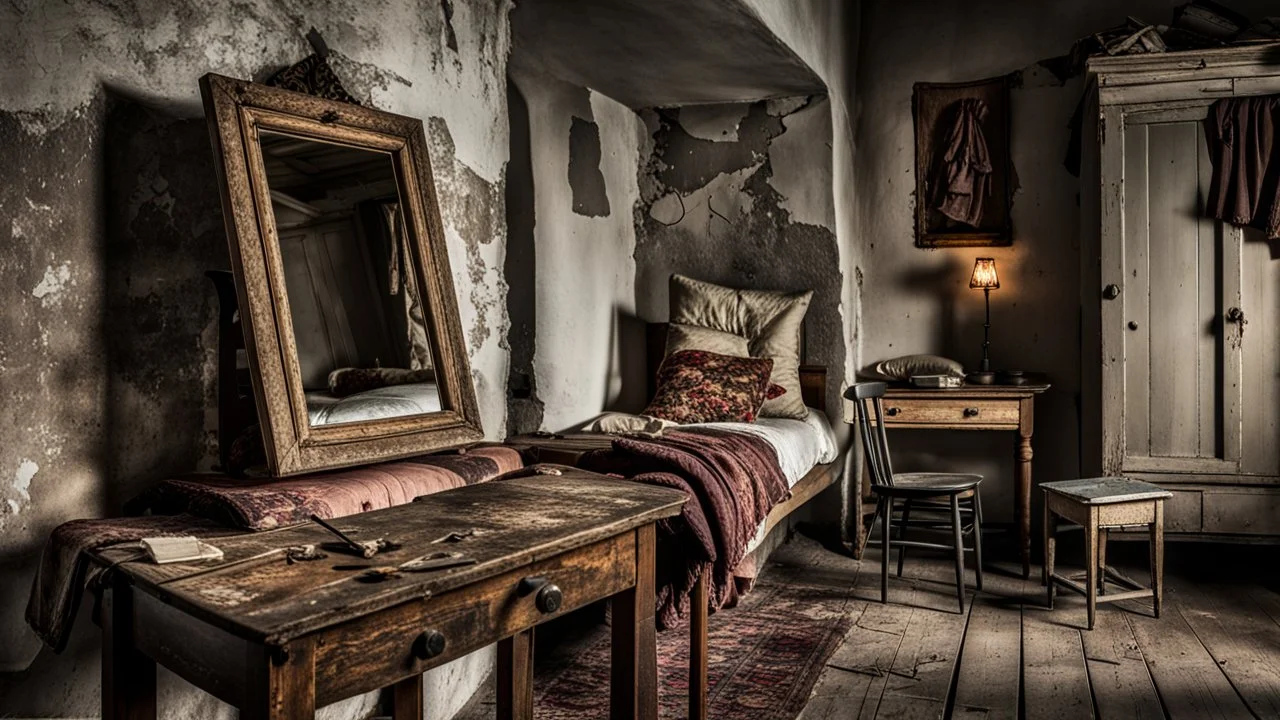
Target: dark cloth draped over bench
<point x="210" y="505"/>
<point x="734" y="481"/>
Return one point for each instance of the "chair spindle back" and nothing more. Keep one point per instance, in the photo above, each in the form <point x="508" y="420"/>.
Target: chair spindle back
<point x="868" y="399"/>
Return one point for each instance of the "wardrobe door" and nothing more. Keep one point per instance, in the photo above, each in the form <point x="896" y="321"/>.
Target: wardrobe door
<point x="1180" y="319"/>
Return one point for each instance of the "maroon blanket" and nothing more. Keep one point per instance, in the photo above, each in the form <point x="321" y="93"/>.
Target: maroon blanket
<point x="735" y="480"/>
<point x="210" y="505"/>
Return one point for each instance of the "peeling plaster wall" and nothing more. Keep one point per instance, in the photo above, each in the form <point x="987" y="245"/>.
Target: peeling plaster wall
<point x="825" y="34"/>
<point x="742" y="197"/>
<point x="585" y="274"/>
<point x="918" y="300"/>
<point x="106" y="351"/>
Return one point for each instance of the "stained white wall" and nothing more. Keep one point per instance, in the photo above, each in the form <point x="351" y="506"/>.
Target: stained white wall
<point x="585" y="272"/>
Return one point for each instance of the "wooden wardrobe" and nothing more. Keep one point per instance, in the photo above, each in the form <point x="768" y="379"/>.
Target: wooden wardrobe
<point x="1181" y="314"/>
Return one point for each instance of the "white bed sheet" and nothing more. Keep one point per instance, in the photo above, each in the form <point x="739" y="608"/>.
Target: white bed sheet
<point x="385" y="402"/>
<point x="800" y="444"/>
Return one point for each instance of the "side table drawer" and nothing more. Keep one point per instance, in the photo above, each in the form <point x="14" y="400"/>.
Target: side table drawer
<point x="383" y="648"/>
<point x="956" y="412"/>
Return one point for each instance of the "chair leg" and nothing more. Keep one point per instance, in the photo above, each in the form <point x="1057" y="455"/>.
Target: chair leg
<point x="977" y="535"/>
<point x="886" y="520"/>
<point x="902" y="532"/>
<point x="958" y="532"/>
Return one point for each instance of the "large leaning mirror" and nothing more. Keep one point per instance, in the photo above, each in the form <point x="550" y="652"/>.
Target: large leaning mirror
<point x="347" y="303"/>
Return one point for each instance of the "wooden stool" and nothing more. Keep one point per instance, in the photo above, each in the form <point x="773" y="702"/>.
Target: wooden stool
<point x="1098" y="505"/>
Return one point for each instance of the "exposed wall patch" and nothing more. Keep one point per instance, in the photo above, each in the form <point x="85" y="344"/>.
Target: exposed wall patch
<point x="717" y="211"/>
<point x="717" y="123"/>
<point x="585" y="179"/>
<point x="27" y="470"/>
<point x="450" y="37"/>
<point x="55" y="280"/>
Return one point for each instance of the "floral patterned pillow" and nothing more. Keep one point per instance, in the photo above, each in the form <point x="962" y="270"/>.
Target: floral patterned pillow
<point x="695" y="386"/>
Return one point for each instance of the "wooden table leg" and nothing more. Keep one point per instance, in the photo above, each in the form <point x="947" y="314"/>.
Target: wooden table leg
<point x="128" y="676"/>
<point x="698" y="651"/>
<point x="1157" y="559"/>
<point x="515" y="677"/>
<point x="1102" y="561"/>
<point x="1022" y="486"/>
<point x="281" y="682"/>
<point x="1091" y="564"/>
<point x="406" y="701"/>
<point x="633" y="688"/>
<point x="1050" y="548"/>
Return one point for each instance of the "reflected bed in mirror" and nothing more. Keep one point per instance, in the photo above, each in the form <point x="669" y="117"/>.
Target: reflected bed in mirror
<point x="358" y="318"/>
<point x="352" y="327"/>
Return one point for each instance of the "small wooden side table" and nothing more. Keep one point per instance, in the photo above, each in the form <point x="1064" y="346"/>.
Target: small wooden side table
<point x="1009" y="408"/>
<point x="1098" y="505"/>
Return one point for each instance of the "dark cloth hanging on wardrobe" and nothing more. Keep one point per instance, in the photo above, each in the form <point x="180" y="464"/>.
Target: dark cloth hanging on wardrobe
<point x="962" y="175"/>
<point x="1245" y="190"/>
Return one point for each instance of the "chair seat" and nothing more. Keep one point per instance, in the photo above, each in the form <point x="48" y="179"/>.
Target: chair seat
<point x="922" y="484"/>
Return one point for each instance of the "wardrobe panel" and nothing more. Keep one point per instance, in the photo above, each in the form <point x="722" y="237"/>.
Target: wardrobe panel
<point x="1174" y="256"/>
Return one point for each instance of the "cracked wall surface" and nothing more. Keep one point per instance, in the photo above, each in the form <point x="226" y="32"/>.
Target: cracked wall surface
<point x="745" y="200"/>
<point x="106" y="350"/>
<point x="584" y="359"/>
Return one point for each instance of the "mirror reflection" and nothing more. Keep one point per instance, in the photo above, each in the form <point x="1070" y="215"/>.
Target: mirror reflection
<point x="350" y="276"/>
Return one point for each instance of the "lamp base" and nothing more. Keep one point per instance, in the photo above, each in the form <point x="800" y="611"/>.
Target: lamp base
<point x="981" y="378"/>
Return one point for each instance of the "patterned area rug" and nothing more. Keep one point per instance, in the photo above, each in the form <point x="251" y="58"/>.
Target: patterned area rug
<point x="764" y="655"/>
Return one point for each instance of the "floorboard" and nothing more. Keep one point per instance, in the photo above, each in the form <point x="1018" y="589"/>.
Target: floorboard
<point x="1055" y="680"/>
<point x="1241" y="639"/>
<point x="1190" y="682"/>
<point x="1118" y="674"/>
<point x="990" y="680"/>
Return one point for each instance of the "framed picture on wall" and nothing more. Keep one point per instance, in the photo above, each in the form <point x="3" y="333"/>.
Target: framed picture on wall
<point x="964" y="172"/>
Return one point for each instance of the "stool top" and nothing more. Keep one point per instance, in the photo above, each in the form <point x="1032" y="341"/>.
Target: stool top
<point x="1106" y="490"/>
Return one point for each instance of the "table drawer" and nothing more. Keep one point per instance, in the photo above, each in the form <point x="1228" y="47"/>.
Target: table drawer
<point x="957" y="412"/>
<point x="380" y="649"/>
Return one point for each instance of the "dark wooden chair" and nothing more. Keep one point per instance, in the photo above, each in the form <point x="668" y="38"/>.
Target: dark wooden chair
<point x="927" y="492"/>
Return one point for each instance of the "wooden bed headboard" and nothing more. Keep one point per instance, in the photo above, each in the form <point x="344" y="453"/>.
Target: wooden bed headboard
<point x="813" y="378"/>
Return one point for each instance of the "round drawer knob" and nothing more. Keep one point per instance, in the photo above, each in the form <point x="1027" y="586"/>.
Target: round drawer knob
<point x="892" y="412"/>
<point x="971" y="412"/>
<point x="549" y="599"/>
<point x="429" y="644"/>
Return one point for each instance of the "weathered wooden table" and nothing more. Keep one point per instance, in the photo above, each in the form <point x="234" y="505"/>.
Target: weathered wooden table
<point x="277" y="638"/>
<point x="976" y="407"/>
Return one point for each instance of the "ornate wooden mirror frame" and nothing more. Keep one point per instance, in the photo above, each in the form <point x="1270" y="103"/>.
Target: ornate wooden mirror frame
<point x="238" y="111"/>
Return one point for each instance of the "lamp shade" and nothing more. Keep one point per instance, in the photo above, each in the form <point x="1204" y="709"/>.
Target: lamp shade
<point x="984" y="274"/>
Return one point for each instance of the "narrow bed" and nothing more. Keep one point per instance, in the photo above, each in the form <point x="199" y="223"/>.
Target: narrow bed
<point x="805" y="457"/>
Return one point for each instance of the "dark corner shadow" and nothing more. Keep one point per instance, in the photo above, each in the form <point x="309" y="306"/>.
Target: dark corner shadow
<point x="162" y="229"/>
<point x="628" y="363"/>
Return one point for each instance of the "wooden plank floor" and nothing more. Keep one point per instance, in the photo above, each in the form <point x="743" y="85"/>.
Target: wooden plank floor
<point x="1214" y="653"/>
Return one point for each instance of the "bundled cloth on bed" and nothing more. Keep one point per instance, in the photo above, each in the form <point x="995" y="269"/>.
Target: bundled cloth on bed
<point x="735" y="479"/>
<point x="210" y="505"/>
